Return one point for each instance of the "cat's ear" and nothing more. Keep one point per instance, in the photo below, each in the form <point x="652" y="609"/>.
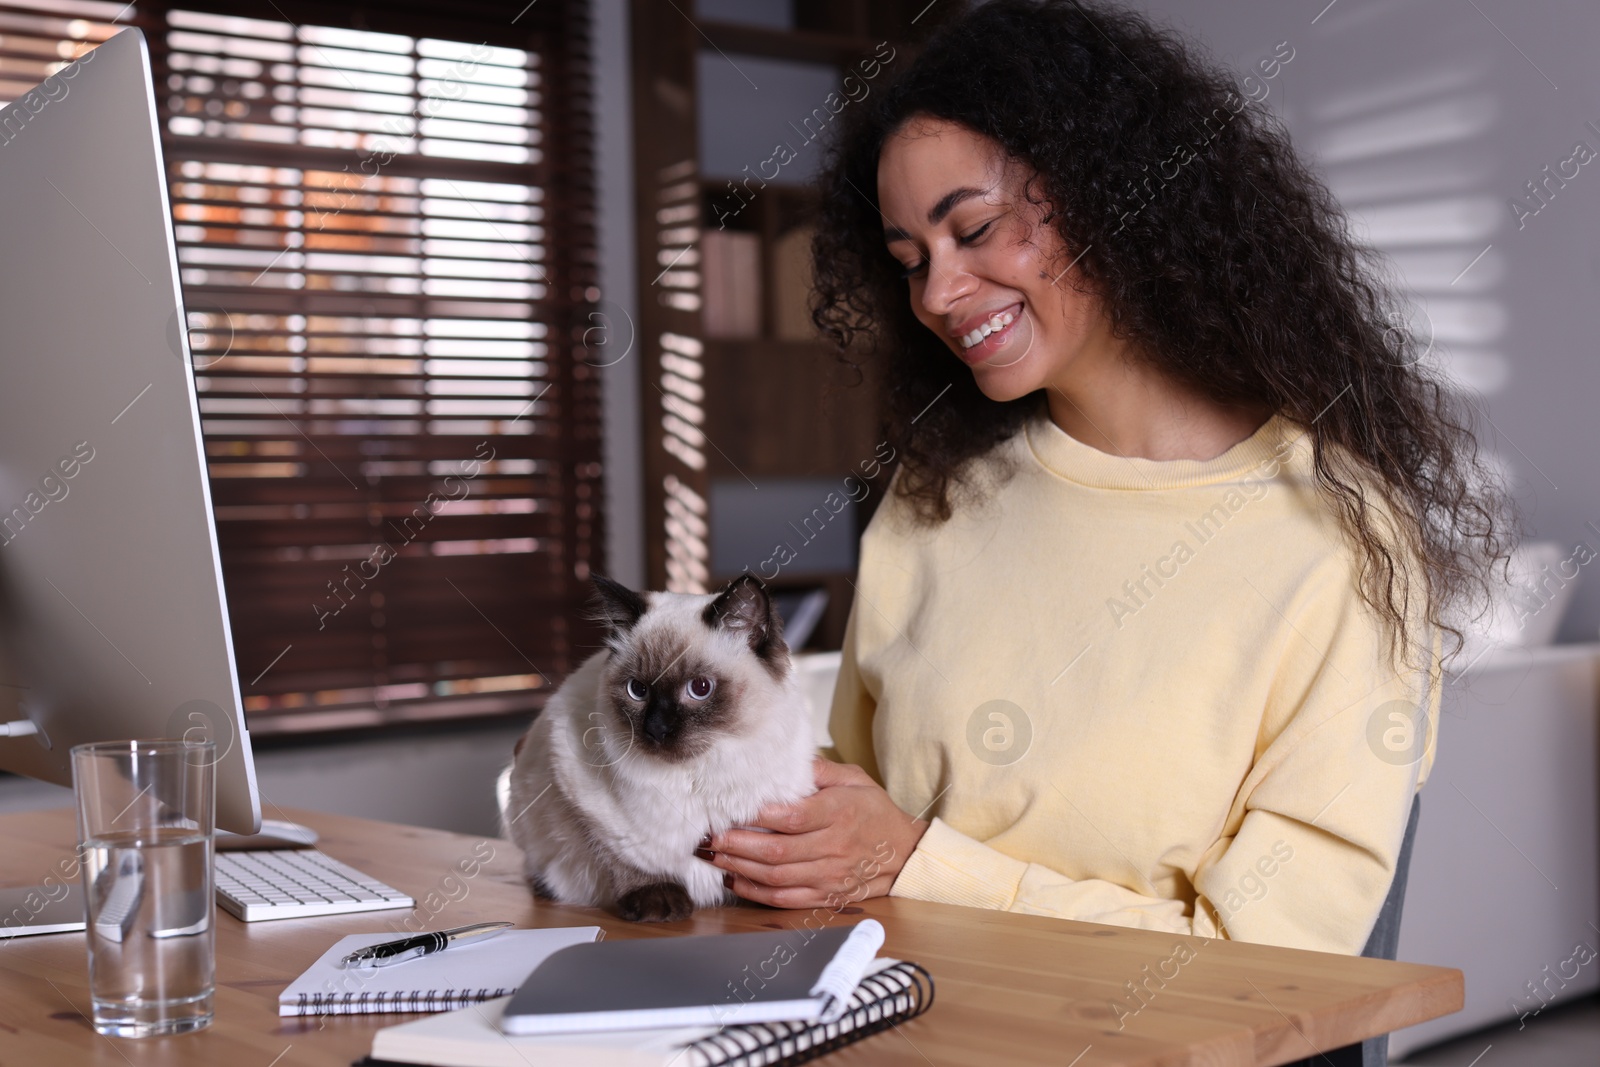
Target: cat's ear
<point x="744" y="606"/>
<point x="615" y="605"/>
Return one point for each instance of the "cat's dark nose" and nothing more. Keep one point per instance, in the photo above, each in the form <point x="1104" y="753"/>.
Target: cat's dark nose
<point x="657" y="727"/>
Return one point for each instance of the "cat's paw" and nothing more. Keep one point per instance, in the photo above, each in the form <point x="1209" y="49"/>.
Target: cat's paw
<point x="659" y="902"/>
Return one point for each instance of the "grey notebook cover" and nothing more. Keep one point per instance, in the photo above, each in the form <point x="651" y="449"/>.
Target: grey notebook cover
<point x="660" y="974"/>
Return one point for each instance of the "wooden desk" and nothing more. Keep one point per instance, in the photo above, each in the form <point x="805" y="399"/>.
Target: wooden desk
<point x="1011" y="989"/>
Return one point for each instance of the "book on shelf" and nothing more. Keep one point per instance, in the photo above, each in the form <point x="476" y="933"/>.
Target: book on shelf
<point x="730" y="280"/>
<point x="791" y="285"/>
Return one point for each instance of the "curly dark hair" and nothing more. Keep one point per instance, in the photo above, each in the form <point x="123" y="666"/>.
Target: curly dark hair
<point x="1236" y="276"/>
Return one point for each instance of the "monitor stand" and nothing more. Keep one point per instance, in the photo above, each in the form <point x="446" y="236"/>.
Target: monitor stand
<point x="274" y="833"/>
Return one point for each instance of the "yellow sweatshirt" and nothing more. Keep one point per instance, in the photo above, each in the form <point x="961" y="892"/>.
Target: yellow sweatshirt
<point x="1138" y="692"/>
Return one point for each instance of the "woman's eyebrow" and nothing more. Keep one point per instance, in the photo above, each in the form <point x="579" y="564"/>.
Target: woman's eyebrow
<point x="937" y="213"/>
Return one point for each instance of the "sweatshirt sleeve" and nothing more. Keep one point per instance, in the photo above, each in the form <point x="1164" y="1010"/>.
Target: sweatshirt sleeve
<point x="949" y="867"/>
<point x="1315" y="830"/>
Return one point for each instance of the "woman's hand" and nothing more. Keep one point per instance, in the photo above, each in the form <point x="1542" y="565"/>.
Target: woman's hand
<point x="847" y="841"/>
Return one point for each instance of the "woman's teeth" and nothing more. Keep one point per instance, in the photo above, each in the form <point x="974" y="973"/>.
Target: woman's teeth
<point x="999" y="322"/>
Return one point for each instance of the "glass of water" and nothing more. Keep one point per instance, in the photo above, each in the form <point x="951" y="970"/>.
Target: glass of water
<point x="146" y="816"/>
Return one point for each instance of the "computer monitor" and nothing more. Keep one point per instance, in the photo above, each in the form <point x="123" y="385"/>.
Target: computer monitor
<point x="113" y="621"/>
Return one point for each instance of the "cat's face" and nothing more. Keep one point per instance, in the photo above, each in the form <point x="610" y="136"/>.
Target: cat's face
<point x="686" y="670"/>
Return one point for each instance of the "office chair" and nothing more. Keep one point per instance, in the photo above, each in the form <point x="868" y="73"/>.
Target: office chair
<point x="1383" y="944"/>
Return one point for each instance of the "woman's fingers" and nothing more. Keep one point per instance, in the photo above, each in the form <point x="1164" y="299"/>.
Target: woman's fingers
<point x="821" y="850"/>
<point x="829" y="894"/>
<point x="801" y="817"/>
<point x="818" y="810"/>
<point x="816" y="868"/>
<point x="788" y="875"/>
<point x="784" y="897"/>
<point x="771" y="849"/>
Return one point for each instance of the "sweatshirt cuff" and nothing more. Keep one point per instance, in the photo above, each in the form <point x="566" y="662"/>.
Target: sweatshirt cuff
<point x="949" y="867"/>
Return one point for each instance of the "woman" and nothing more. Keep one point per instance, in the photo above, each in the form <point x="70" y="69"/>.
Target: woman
<point x="1148" y="628"/>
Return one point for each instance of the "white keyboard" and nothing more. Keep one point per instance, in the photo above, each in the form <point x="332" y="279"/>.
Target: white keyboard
<point x="297" y="883"/>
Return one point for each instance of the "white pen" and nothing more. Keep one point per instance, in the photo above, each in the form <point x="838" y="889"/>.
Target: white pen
<point x="409" y="948"/>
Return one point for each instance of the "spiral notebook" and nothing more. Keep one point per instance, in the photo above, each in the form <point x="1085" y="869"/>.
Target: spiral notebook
<point x="444" y="981"/>
<point x="892" y="992"/>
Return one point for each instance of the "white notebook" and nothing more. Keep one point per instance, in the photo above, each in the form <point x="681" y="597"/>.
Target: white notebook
<point x="452" y="978"/>
<point x="891" y="993"/>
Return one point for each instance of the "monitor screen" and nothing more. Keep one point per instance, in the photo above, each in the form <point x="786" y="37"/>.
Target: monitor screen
<point x="113" y="621"/>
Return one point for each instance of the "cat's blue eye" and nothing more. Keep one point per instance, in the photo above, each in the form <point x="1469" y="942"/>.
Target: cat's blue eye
<point x="700" y="688"/>
<point x="637" y="690"/>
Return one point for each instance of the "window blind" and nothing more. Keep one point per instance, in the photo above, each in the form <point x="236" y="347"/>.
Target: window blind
<point x="386" y="249"/>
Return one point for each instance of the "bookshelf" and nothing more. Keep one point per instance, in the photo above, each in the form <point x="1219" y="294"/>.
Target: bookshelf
<point x="750" y="420"/>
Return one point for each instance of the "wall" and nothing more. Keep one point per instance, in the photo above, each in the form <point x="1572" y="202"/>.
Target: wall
<point x="1428" y="118"/>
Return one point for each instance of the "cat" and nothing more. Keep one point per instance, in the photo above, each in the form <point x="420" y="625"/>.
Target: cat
<point x="687" y="722"/>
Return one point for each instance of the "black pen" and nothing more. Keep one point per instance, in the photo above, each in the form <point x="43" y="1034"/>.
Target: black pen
<point x="409" y="948"/>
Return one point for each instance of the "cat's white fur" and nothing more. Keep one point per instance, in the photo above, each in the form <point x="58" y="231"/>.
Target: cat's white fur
<point x="586" y="798"/>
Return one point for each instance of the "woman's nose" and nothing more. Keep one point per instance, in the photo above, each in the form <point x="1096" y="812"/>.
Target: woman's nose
<point x="946" y="285"/>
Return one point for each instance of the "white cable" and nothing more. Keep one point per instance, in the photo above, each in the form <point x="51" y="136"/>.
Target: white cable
<point x="20" y="728"/>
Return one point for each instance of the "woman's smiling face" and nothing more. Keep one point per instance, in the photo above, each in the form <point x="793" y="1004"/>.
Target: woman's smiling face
<point x="984" y="273"/>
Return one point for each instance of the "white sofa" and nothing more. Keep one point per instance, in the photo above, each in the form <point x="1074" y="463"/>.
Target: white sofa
<point x="818" y="671"/>
<point x="1505" y="876"/>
